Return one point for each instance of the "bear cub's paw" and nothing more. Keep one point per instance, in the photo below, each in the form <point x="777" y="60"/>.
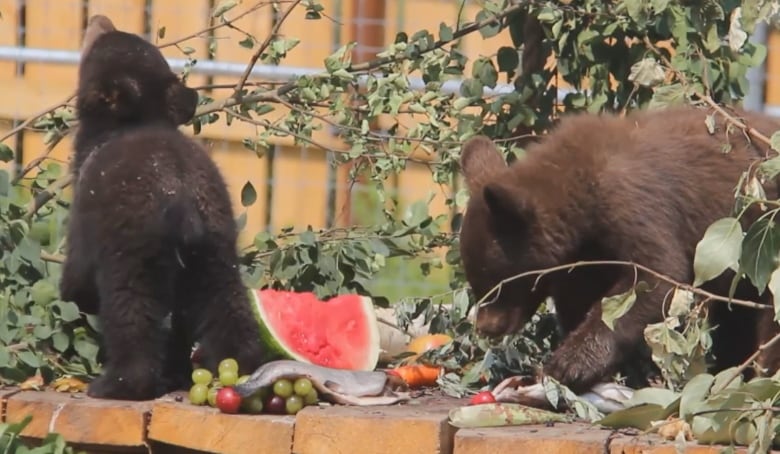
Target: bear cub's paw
<point x="128" y="383"/>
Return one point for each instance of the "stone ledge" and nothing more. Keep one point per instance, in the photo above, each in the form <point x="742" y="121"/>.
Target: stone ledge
<point x="80" y="419"/>
<point x="420" y="427"/>
<point x="577" y="438"/>
<point x="206" y="429"/>
<point x="408" y="429"/>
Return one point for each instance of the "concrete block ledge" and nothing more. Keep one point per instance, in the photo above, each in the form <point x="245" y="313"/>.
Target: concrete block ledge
<point x="170" y="424"/>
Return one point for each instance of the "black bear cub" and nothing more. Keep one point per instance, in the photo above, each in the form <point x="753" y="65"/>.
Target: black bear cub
<point x="151" y="231"/>
<point x="643" y="189"/>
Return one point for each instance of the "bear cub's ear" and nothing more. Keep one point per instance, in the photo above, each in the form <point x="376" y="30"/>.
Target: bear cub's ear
<point x="507" y="202"/>
<point x="480" y="160"/>
<point x="97" y="26"/>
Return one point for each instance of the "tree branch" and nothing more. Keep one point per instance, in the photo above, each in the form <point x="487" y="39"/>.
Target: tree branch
<point x="707" y="98"/>
<point x="263" y="47"/>
<point x="738" y="371"/>
<point x="637" y="267"/>
<point x="226" y="23"/>
<point x="36" y="116"/>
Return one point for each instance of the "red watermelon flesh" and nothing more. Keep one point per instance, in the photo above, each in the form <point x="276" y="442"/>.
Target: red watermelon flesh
<point x="340" y="333"/>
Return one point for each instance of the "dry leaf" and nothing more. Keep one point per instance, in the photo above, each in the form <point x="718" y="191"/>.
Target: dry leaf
<point x="670" y="430"/>
<point x="33" y="383"/>
<point x="67" y="384"/>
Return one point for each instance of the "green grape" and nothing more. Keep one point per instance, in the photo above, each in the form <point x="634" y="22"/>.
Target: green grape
<point x="283" y="388"/>
<point x="293" y="404"/>
<point x="253" y="404"/>
<point x="201" y="376"/>
<point x="199" y="394"/>
<point x="311" y="398"/>
<point x="302" y="386"/>
<point x="228" y="364"/>
<point x="242" y="379"/>
<point x="228" y="377"/>
<point x="265" y="391"/>
<point x="212" y="396"/>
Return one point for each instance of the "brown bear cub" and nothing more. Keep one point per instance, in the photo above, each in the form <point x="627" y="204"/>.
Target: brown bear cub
<point x="643" y="188"/>
<point x="151" y="231"/>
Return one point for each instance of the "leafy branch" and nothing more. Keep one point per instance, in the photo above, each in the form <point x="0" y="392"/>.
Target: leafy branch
<point x="635" y="266"/>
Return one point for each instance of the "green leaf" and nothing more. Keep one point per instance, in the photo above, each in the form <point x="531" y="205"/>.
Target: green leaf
<point x="639" y="417"/>
<point x="659" y="6"/>
<point x="307" y="238"/>
<point x="60" y="341"/>
<point x="647" y="73"/>
<point x="694" y="394"/>
<point x="30" y="358"/>
<point x="491" y="28"/>
<point x="223" y="7"/>
<point x="774" y="287"/>
<point x="248" y="195"/>
<point x="247" y="43"/>
<point x="68" y="311"/>
<point x="86" y="348"/>
<point x="667" y="96"/>
<point x="614" y="307"/>
<point x="471" y="88"/>
<point x="5" y="358"/>
<point x="718" y="250"/>
<point x="760" y="248"/>
<point x="775" y="144"/>
<point x="6" y="153"/>
<point x="5" y="183"/>
<point x="508" y="59"/>
<point x="484" y="70"/>
<point x="445" y="32"/>
<point x="681" y="302"/>
<point x="769" y="168"/>
<point x="636" y="10"/>
<point x="417" y="214"/>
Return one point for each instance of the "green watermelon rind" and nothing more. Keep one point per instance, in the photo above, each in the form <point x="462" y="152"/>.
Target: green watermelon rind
<point x="275" y="348"/>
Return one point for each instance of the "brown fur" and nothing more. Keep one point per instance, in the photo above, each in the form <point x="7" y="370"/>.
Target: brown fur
<point x="151" y="229"/>
<point x="643" y="188"/>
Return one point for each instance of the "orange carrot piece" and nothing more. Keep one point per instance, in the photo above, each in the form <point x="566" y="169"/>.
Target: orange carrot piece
<point x="417" y="375"/>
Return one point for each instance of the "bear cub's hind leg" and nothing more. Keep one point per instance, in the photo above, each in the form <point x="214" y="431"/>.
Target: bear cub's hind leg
<point x="219" y="307"/>
<point x="133" y="307"/>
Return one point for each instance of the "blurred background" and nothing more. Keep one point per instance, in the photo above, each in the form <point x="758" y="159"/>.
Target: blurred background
<point x="296" y="185"/>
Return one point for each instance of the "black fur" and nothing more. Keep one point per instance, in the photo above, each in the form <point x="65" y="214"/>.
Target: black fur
<point x="151" y="229"/>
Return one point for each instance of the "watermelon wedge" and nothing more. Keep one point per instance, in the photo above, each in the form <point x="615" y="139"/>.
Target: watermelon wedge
<point x="340" y="333"/>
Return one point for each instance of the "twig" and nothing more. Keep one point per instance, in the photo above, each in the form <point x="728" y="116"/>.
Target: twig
<point x="53" y="258"/>
<point x="636" y="266"/>
<point x="707" y="98"/>
<point x="36" y="116"/>
<point x="226" y="23"/>
<point x="263" y="47"/>
<point x="739" y="409"/>
<point x="267" y="124"/>
<point x="47" y="194"/>
<point x="216" y="106"/>
<point x="474" y="26"/>
<point x="738" y="371"/>
<point x="42" y="157"/>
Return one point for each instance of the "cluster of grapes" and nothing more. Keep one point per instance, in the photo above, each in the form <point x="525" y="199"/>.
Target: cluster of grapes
<point x="283" y="397"/>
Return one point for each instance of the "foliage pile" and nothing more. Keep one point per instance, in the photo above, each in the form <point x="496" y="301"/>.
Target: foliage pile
<point x="12" y="442"/>
<point x="614" y="56"/>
